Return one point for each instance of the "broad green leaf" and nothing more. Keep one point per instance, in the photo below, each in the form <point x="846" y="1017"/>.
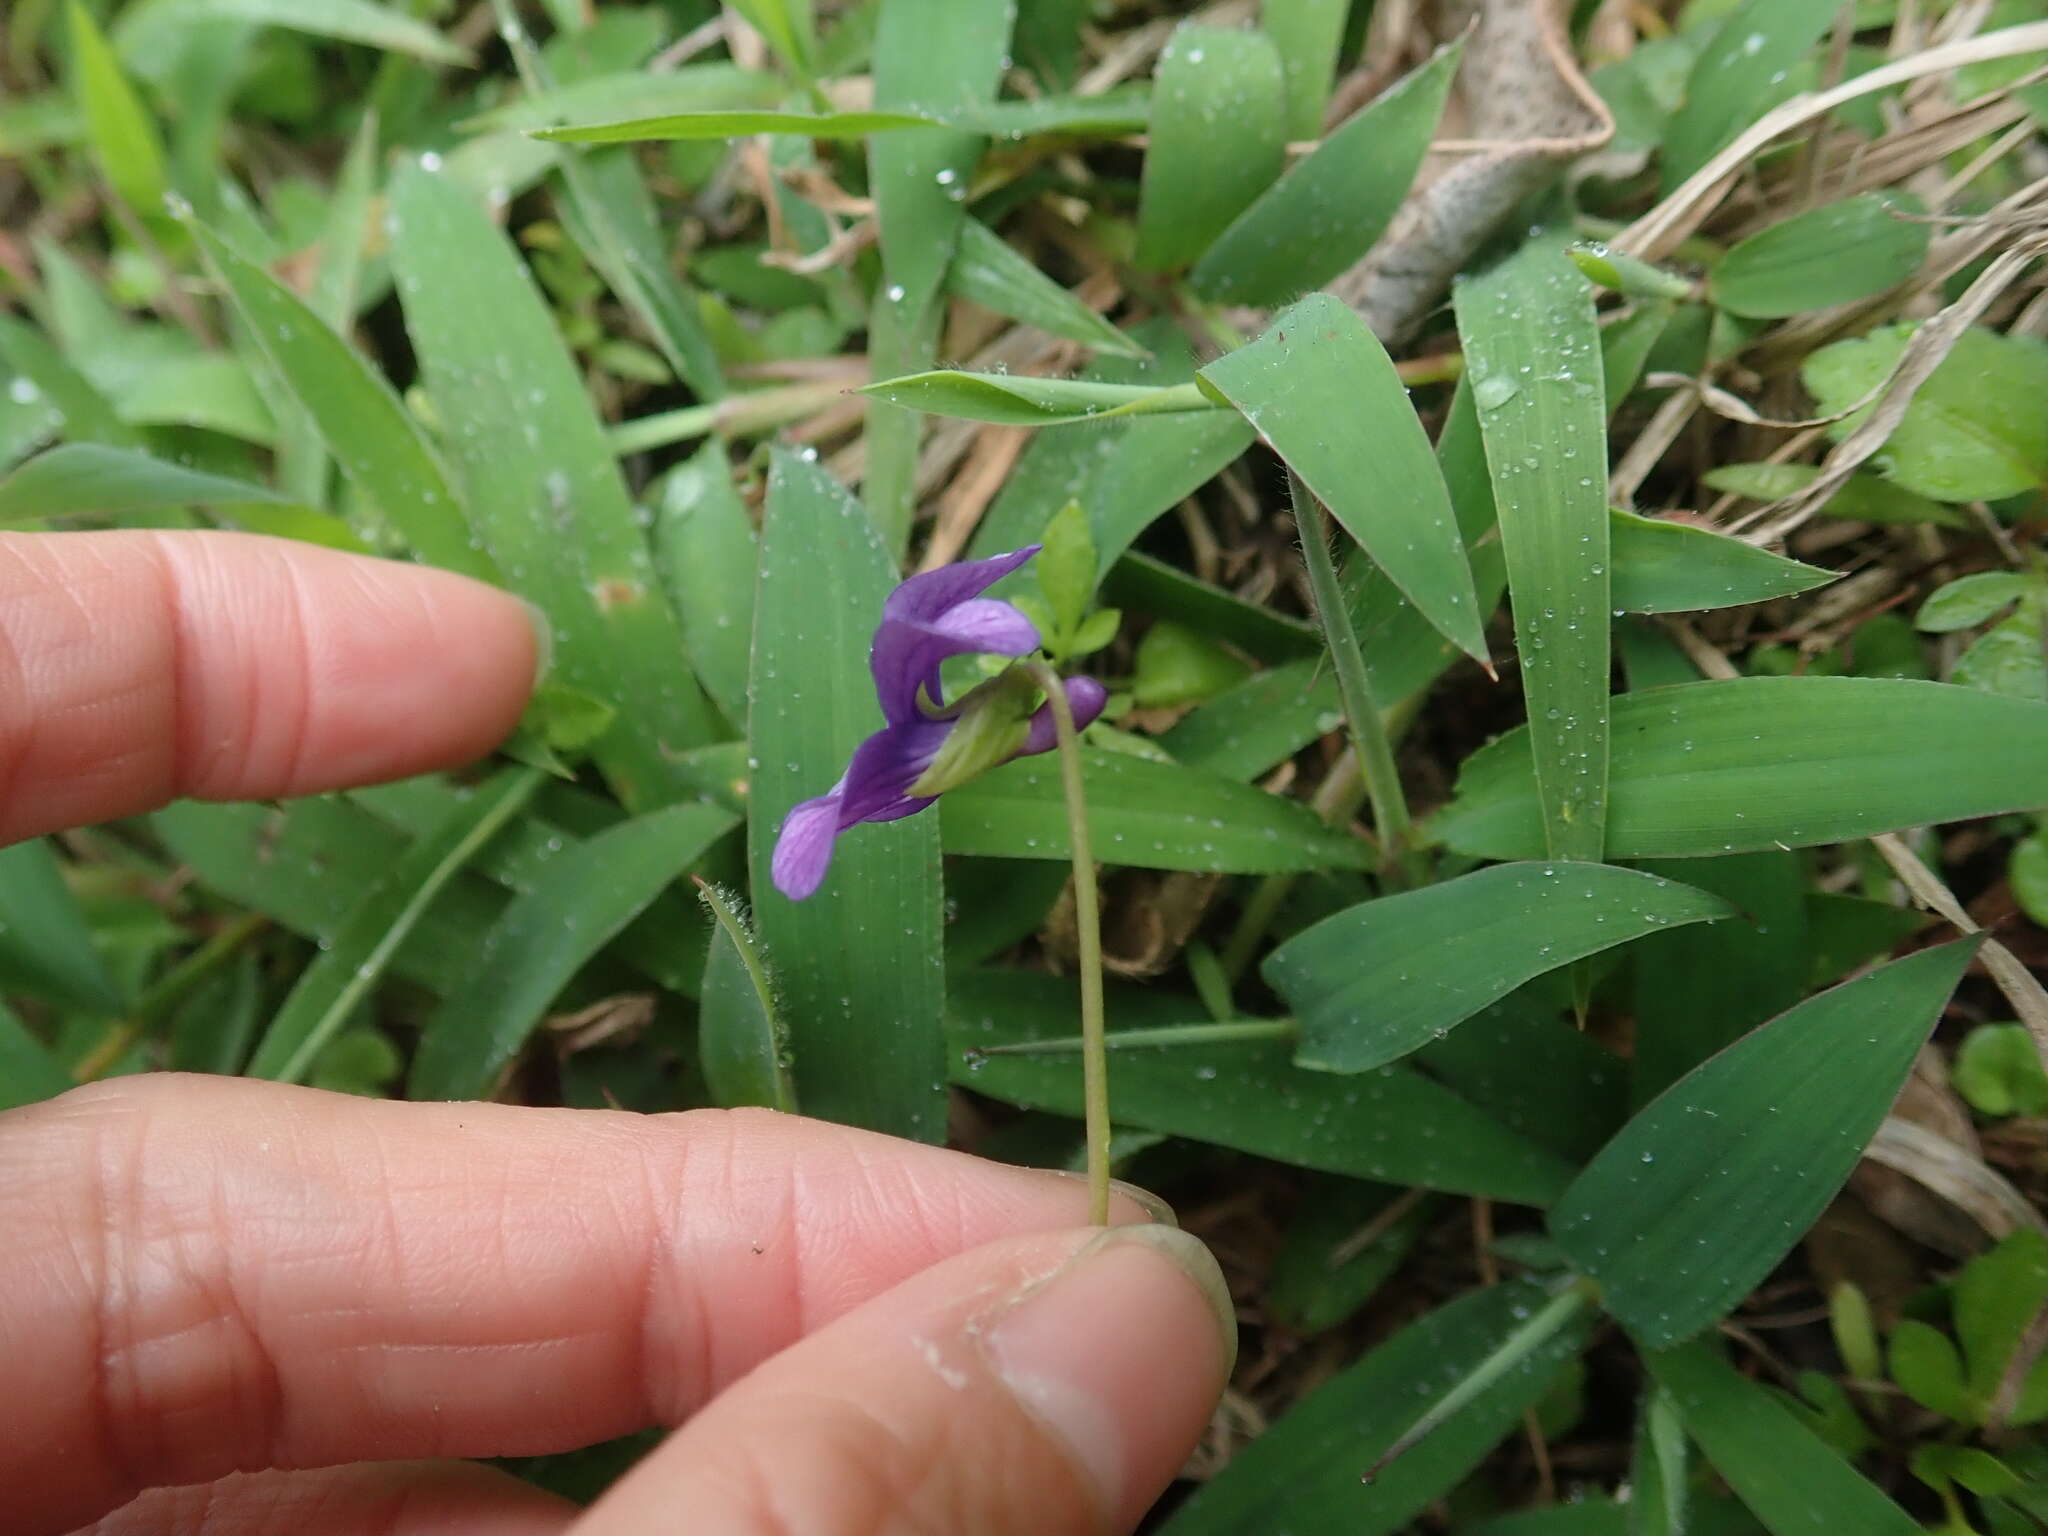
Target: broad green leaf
<point x="1125" y="472"/>
<point x="1997" y="1299"/>
<point x="535" y="467"/>
<point x="1969" y="601"/>
<point x="705" y="550"/>
<point x="1791" y="1480"/>
<point x="1835" y="254"/>
<point x="1308" y="35"/>
<point x="1119" y="110"/>
<point x="349" y="21"/>
<point x="1974" y="430"/>
<point x="860" y="963"/>
<point x="1865" y="497"/>
<point x="1304" y="1473"/>
<point x="1144" y="814"/>
<point x="1319" y="387"/>
<point x="1020" y="400"/>
<point x="1534" y="354"/>
<point x="77" y="478"/>
<point x="1704" y="1191"/>
<point x="1667" y="567"/>
<point x="741" y="1039"/>
<point x="211" y="390"/>
<point x="988" y="271"/>
<point x="1385" y="977"/>
<point x="2009" y="658"/>
<point x="349" y="968"/>
<point x="29" y="1072"/>
<point x="732" y="124"/>
<point x="46" y="945"/>
<point x="1262" y="722"/>
<point x="1998" y="1070"/>
<point x="124" y="137"/>
<point x="1761" y="762"/>
<point x="577" y="905"/>
<point x="1327" y="211"/>
<point x="1701" y="990"/>
<point x="1217" y="138"/>
<point x="1396" y="1125"/>
<point x="1178" y="666"/>
<point x="1734" y="78"/>
<point x="374" y="439"/>
<point x="931" y="58"/>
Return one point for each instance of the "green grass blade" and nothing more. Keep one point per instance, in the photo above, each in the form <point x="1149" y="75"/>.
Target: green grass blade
<point x="1303" y="1474"/>
<point x="46" y="945"/>
<point x="1826" y="256"/>
<point x="372" y="436"/>
<point x="536" y="468"/>
<point x="578" y="904"/>
<point x="1366" y="995"/>
<point x="348" y="21"/>
<point x="1765" y="762"/>
<point x="734" y="124"/>
<point x="1018" y="400"/>
<point x="1704" y="1191"/>
<point x="789" y="27"/>
<point x="88" y="415"/>
<point x="80" y="478"/>
<point x="1734" y="79"/>
<point x="124" y="138"/>
<point x="1308" y="35"/>
<point x="1791" y="1479"/>
<point x="1198" y="178"/>
<point x="348" y="969"/>
<point x="29" y="1071"/>
<point x="741" y="1039"/>
<point x="633" y="96"/>
<point x="1320" y="388"/>
<point x="1144" y="814"/>
<point x="932" y="57"/>
<point x="705" y="549"/>
<point x="1396" y="1125"/>
<point x="860" y="962"/>
<point x="988" y="271"/>
<point x="1665" y="567"/>
<point x="1534" y="353"/>
<point x="1327" y="211"/>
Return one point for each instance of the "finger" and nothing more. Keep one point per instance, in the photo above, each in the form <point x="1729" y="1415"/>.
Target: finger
<point x="207" y="1275"/>
<point x="138" y="667"/>
<point x="1044" y="1384"/>
<point x="393" y="1498"/>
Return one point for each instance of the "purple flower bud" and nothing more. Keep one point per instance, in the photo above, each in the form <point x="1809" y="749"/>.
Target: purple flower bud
<point x="925" y="620"/>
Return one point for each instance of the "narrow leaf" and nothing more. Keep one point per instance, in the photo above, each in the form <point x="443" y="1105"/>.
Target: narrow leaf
<point x="1760" y="762"/>
<point x="1701" y="1194"/>
<point x="704" y="548"/>
<point x="46" y="945"/>
<point x="349" y="21"/>
<point x="1022" y="401"/>
<point x="987" y="271"/>
<point x="1198" y="178"/>
<point x="1321" y="389"/>
<point x="733" y="125"/>
<point x="741" y="1039"/>
<point x="1308" y="35"/>
<point x="76" y="478"/>
<point x="1735" y="76"/>
<point x="349" y="968"/>
<point x="1667" y="567"/>
<point x="29" y="1072"/>
<point x="1327" y="211"/>
<point x="1835" y="254"/>
<point x="1385" y="977"/>
<point x="1534" y="353"/>
<point x="861" y="962"/>
<point x="124" y="137"/>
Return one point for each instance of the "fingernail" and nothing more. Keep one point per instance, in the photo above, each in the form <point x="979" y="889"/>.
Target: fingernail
<point x="543" y="640"/>
<point x="1099" y="1353"/>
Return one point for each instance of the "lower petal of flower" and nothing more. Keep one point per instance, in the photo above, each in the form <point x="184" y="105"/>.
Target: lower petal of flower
<point x="1085" y="698"/>
<point x="803" y="849"/>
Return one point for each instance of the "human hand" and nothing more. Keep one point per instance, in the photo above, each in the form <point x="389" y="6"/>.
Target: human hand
<point x="230" y="1307"/>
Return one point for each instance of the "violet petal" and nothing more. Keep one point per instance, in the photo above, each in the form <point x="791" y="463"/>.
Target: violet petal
<point x="1085" y="698"/>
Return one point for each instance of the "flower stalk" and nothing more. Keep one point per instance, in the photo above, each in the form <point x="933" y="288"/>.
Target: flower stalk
<point x="1088" y="925"/>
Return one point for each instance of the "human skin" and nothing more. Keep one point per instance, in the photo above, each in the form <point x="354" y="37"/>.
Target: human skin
<point x="229" y="1306"/>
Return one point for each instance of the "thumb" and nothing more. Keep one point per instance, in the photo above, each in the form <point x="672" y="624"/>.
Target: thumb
<point x="1051" y="1383"/>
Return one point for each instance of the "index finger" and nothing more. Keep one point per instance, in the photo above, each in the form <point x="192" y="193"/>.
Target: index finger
<point x="138" y="667"/>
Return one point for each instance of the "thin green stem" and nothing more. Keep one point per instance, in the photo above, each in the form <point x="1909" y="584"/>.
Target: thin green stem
<point x="1368" y="730"/>
<point x="1088" y="923"/>
<point x="1222" y="1032"/>
<point x="1336" y="800"/>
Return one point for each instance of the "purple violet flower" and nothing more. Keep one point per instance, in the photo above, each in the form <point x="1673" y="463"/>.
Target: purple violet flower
<point x="928" y="746"/>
